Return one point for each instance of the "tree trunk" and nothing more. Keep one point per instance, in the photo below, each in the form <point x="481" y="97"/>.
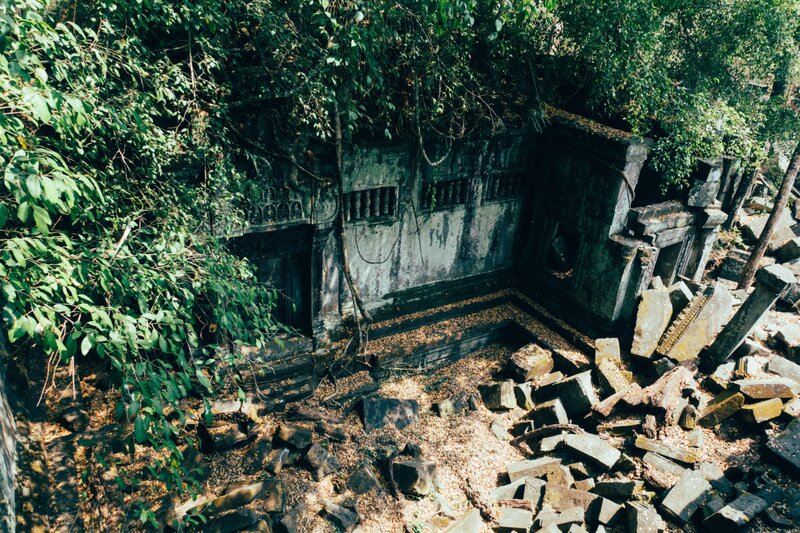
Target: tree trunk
<point x="749" y="270"/>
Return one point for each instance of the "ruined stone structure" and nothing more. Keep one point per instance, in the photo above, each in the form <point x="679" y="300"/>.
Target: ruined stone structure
<point x="554" y="214"/>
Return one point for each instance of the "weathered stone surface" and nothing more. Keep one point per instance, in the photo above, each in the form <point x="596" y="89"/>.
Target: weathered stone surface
<point x="686" y="496"/>
<point x="607" y="348"/>
<point x="498" y="395"/>
<point x="679" y="296"/>
<point x="277" y="460"/>
<point x="786" y="445"/>
<point x="342" y="517"/>
<point x="510" y="491"/>
<point x="229" y="522"/>
<point x="454" y="405"/>
<point x="724" y="405"/>
<point x="618" y="488"/>
<point x="517" y="520"/>
<point x="762" y="389"/>
<point x="673" y="452"/>
<point x="585" y="484"/>
<point x="529" y="362"/>
<point x="272" y="498"/>
<point x="570" y="361"/>
<point x="688" y="419"/>
<point x="762" y="411"/>
<point x="604" y="511"/>
<point x="363" y="480"/>
<point x="792" y="407"/>
<point x="784" y="368"/>
<point x="220" y="436"/>
<point x="321" y="462"/>
<point x="548" y="517"/>
<point x="293" y="436"/>
<point x="593" y="448"/>
<point x="642" y="518"/>
<point x="234" y="499"/>
<point x="416" y="478"/>
<point x="732" y="265"/>
<point x="611" y="377"/>
<point x="522" y="392"/>
<point x="288" y="522"/>
<point x="379" y="412"/>
<point x="576" y="393"/>
<point x="547" y="413"/>
<point x="696" y="328"/>
<point x="534" y="491"/>
<point x="712" y="473"/>
<point x="737" y="513"/>
<point x="652" y="319"/>
<point x="752" y="228"/>
<point x="789" y="251"/>
<point x="696" y="437"/>
<point x="533" y="467"/>
<point x="468" y="523"/>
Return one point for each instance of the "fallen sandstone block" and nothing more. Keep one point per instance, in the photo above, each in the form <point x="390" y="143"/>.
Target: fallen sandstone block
<point x="533" y="467"/>
<point x="607" y="349"/>
<point x="686" y="496"/>
<point x="724" y="405"/>
<point x="529" y="362"/>
<point x="378" y="412"/>
<point x="673" y="452"/>
<point x="618" y="488"/>
<point x="575" y="392"/>
<point x="469" y="523"/>
<point x="762" y="411"/>
<point x="514" y="520"/>
<point x="416" y="478"/>
<point x="498" y="395"/>
<point x="786" y="445"/>
<point x="593" y="448"/>
<point x="643" y="518"/>
<point x="548" y="413"/>
<point x="652" y="319"/>
<point x="763" y="389"/>
<point x="736" y="514"/>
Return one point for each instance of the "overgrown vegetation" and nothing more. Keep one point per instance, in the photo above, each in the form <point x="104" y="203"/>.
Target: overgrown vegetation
<point x="130" y="131"/>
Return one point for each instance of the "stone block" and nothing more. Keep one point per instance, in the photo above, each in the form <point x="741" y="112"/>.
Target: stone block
<point x="471" y="522"/>
<point x="530" y="362"/>
<point x="548" y="517"/>
<point x="618" y="488"/>
<point x="752" y="228"/>
<point x="378" y="412"/>
<point x="604" y="511"/>
<point x="762" y="411"/>
<point x="685" y="497"/>
<point x="652" y="319"/>
<point x="236" y="520"/>
<point x="416" y="478"/>
<point x="233" y="499"/>
<point x="293" y="437"/>
<point x="789" y="251"/>
<point x="343" y="518"/>
<point x="736" y="514"/>
<point x="691" y="332"/>
<point x="733" y="264"/>
<point x="548" y="413"/>
<point x="363" y="480"/>
<point x="679" y="296"/>
<point x="643" y="518"/>
<point x="712" y="473"/>
<point x="534" y="491"/>
<point x="454" y="405"/>
<point x="220" y="436"/>
<point x="659" y="462"/>
<point x="498" y="395"/>
<point x="723" y="406"/>
<point x="533" y="467"/>
<point x="611" y="377"/>
<point x="792" y="407"/>
<point x="510" y="491"/>
<point x="607" y="348"/>
<point x="763" y="389"/>
<point x="522" y="392"/>
<point x="514" y="520"/>
<point x="321" y="462"/>
<point x="593" y="448"/>
<point x="703" y="193"/>
<point x="785" y="446"/>
<point x="576" y="393"/>
<point x="673" y="452"/>
<point x="784" y="368"/>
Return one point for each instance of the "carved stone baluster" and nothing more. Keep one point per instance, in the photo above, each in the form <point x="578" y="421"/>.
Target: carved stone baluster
<point x="348" y="197"/>
<point x="384" y="201"/>
<point x="356" y="205"/>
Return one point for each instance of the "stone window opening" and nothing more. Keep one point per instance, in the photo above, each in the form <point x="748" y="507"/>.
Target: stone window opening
<point x="370" y="204"/>
<point x="444" y="194"/>
<point x="503" y="185"/>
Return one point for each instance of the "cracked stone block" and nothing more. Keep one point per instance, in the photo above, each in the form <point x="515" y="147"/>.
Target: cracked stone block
<point x="792" y="407"/>
<point x="763" y="389"/>
<point x="576" y="393"/>
<point x="342" y="517"/>
<point x="673" y="452"/>
<point x="784" y="368"/>
<point x="679" y="296"/>
<point x="534" y="491"/>
<point x="686" y="496"/>
<point x="652" y="319"/>
<point x="379" y="412"/>
<point x="363" y="480"/>
<point x="294" y="436"/>
<point x="321" y="462"/>
<point x="723" y="406"/>
<point x="509" y="491"/>
<point x="533" y="467"/>
<point x="498" y="395"/>
<point x="234" y="499"/>
<point x="604" y="511"/>
<point x="454" y="405"/>
<point x="762" y="411"/>
<point x="618" y="488"/>
<point x="736" y="514"/>
<point x="548" y="413"/>
<point x="643" y="518"/>
<point x="416" y="478"/>
<point x="611" y="377"/>
<point x="220" y="436"/>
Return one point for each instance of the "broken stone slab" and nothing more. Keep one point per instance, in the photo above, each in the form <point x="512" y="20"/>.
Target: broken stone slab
<point x="712" y="473"/>
<point x="512" y="519"/>
<point x="522" y="392"/>
<point x="277" y="460"/>
<point x="659" y="462"/>
<point x="789" y="251"/>
<point x="416" y="478"/>
<point x="570" y="361"/>
<point x="575" y="392"/>
<point x="604" y="511"/>
<point x="379" y="412"/>
<point x="293" y="437"/>
<point x="763" y="389"/>
<point x="611" y="377"/>
<point x="762" y="411"/>
<point x="685" y="497"/>
<point x="232" y="499"/>
<point x="236" y="520"/>
<point x="471" y="522"/>
<point x="585" y="484"/>
<point x="786" y="445"/>
<point x="548" y="413"/>
<point x="752" y="228"/>
<point x="792" y="407"/>
<point x="363" y="480"/>
<point x="454" y="405"/>
<point x="673" y="452"/>
<point x="618" y="488"/>
<point x="549" y="517"/>
<point x="534" y="491"/>
<point x="593" y="448"/>
<point x="771" y="282"/>
<point x="498" y="395"/>
<point x="723" y="406"/>
<point x="652" y="319"/>
<point x="321" y="462"/>
<point x="698" y="324"/>
<point x="696" y="437"/>
<point x="736" y="514"/>
<point x="784" y="368"/>
<point x="607" y="348"/>
<point x="679" y="296"/>
<point x="533" y="467"/>
<point x="342" y="517"/>
<point x="220" y="436"/>
<point x="688" y="418"/>
<point x="643" y="518"/>
<point x="509" y="491"/>
<point x="530" y="362"/>
<point x="788" y="339"/>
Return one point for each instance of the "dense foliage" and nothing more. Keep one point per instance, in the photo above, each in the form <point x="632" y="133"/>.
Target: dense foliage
<point x="127" y="126"/>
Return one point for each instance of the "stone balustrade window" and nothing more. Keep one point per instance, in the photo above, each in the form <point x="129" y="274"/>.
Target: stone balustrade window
<point x="370" y="204"/>
<point x="502" y="186"/>
<point x="444" y="194"/>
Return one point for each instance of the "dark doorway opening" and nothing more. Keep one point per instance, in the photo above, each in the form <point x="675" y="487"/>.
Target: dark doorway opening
<point x="283" y="260"/>
<point x="668" y="263"/>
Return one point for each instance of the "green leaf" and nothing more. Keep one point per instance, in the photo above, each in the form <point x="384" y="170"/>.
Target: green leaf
<point x="3" y="215"/>
<point x="203" y="379"/>
<point x="41" y="111"/>
<point x="42" y="219"/>
<point x="86" y="344"/>
<point x="23" y="212"/>
<point x="140" y="429"/>
<point x="33" y="185"/>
